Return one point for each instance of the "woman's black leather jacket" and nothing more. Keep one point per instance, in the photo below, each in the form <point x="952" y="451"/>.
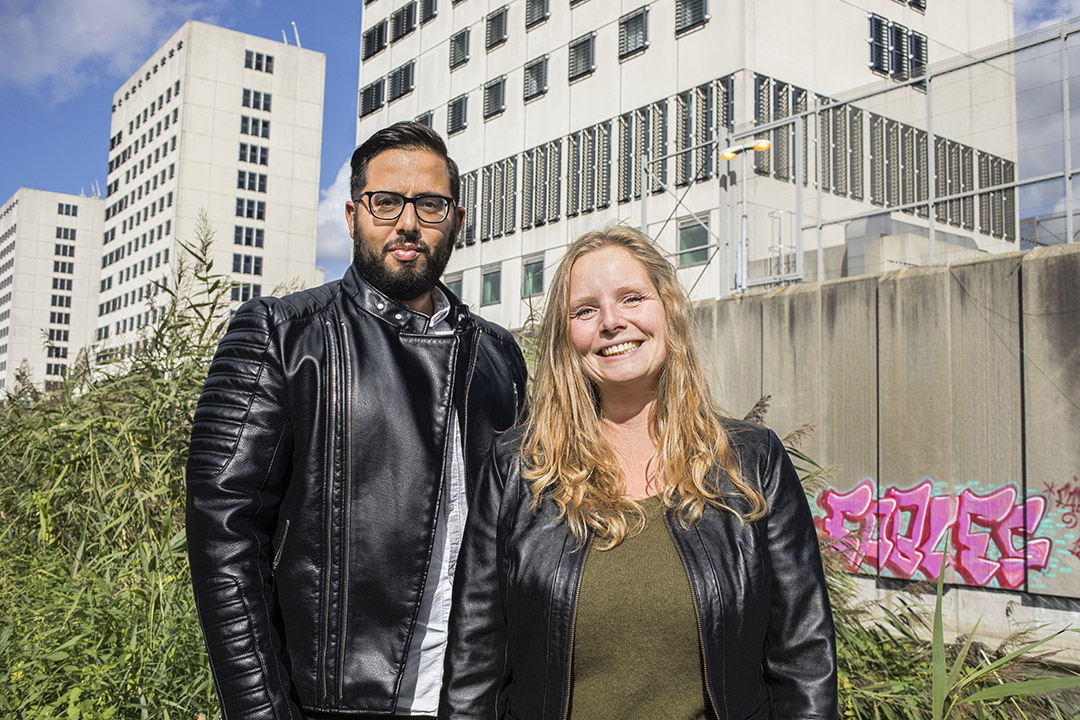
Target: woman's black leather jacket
<point x="763" y="610"/>
<point x="314" y="478"/>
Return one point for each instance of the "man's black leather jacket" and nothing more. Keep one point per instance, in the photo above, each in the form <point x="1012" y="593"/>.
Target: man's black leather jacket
<point x="314" y="478"/>
<point x="764" y="619"/>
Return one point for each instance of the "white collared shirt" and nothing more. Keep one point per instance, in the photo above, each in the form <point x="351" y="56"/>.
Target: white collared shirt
<point x="422" y="681"/>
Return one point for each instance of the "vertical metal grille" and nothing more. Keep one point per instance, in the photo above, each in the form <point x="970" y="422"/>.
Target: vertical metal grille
<point x="626" y="157"/>
<point x="540" y="188"/>
<point x="495" y="29"/>
<point x="682" y="138"/>
<point x="997" y="207"/>
<point x="689" y="14"/>
<point x="839" y="150"/>
<point x="892" y="165"/>
<point x="485" y="204"/>
<point x="581" y="57"/>
<point x="762" y="115"/>
<point x="855" y="152"/>
<point x="967" y="184"/>
<point x="825" y="138"/>
<point x="573" y="176"/>
<point x="658" y="145"/>
<point x="526" y="189"/>
<point x="603" y="164"/>
<point x="800" y="106"/>
<point x="984" y="198"/>
<point x="703" y="132"/>
<point x="877" y="159"/>
<point x="588" y="169"/>
<point x="640" y="146"/>
<point x="1008" y="175"/>
<point x="922" y="171"/>
<point x="907" y="171"/>
<point x="941" y="178"/>
<point x="554" y="180"/>
<point x="781" y="149"/>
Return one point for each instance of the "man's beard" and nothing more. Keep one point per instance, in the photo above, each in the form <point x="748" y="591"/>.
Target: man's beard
<point x="408" y="281"/>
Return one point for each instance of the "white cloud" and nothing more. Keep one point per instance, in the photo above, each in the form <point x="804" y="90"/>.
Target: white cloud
<point x="334" y="246"/>
<point x="54" y="48"/>
<point x="1031" y="14"/>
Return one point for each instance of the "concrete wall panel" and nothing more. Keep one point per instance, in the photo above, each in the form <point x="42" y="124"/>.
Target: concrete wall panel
<point x="1051" y="335"/>
<point x="738" y="353"/>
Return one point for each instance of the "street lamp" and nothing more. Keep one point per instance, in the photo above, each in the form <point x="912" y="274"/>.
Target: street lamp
<point x="759" y="145"/>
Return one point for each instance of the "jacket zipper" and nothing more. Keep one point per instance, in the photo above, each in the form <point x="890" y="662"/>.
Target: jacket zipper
<point x="331" y="412"/>
<point x="465" y="410"/>
<point x="573" y="629"/>
<point x="347" y="449"/>
<point x="697" y="617"/>
<point x="280" y="547"/>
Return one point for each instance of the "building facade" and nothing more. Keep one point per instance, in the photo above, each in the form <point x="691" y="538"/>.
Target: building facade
<point x="49" y="272"/>
<point x="220" y="123"/>
<point x="566" y="115"/>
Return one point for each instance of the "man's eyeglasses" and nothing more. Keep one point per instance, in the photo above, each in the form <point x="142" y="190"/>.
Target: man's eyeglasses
<point x="386" y="205"/>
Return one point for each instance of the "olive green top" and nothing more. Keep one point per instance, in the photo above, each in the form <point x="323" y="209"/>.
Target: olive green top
<point x="636" y="651"/>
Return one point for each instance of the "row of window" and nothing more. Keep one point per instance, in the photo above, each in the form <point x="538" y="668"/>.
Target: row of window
<point x="254" y="154"/>
<point x="258" y="61"/>
<point x="402" y="22"/>
<point x="254" y="126"/>
<point x="532" y="284"/>
<point x="248" y="236"/>
<point x="256" y="100"/>
<point x="242" y="292"/>
<point x="62" y="283"/>
<point x="150" y="210"/>
<point x="895" y="50"/>
<point x="67" y="209"/>
<point x="65" y="233"/>
<point x="256" y="182"/>
<point x="133" y="245"/>
<point x="254" y="209"/>
<point x="134" y="88"/>
<point x="247" y="264"/>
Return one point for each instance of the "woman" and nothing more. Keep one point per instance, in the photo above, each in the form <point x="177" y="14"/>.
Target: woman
<point x="630" y="552"/>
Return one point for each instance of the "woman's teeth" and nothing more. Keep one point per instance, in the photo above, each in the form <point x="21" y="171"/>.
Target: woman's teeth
<point x="620" y="349"/>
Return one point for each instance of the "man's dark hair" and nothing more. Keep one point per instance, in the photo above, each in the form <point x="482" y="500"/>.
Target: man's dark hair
<point x="406" y="135"/>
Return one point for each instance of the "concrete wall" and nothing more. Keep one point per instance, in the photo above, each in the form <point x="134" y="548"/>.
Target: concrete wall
<point x="947" y="401"/>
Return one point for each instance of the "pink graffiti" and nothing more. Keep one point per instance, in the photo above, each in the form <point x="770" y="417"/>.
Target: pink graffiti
<point x="1067" y="497"/>
<point x="902" y="530"/>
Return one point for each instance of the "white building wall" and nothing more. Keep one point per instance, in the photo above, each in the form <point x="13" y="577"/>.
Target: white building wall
<point x="49" y="273"/>
<point x="188" y="102"/>
<point x="818" y="45"/>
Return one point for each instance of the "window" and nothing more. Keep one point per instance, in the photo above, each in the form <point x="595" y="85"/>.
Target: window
<point x="401" y="81"/>
<point x="491" y="293"/>
<point x="374" y="40"/>
<point x="690" y="14"/>
<point x="898" y="52"/>
<point x="536" y="12"/>
<point x="536" y="78"/>
<point x="371" y="97"/>
<point x="459" y="49"/>
<point x="494" y="93"/>
<point x="428" y="11"/>
<point x="456" y="120"/>
<point x="895" y="50"/>
<point x="403" y="21"/>
<point x="532" y="271"/>
<point x="495" y="33"/>
<point x="916" y="55"/>
<point x="453" y="284"/>
<point x="918" y="4"/>
<point x="581" y="57"/>
<point x="693" y="241"/>
<point x="425" y="119"/>
<point x="633" y="33"/>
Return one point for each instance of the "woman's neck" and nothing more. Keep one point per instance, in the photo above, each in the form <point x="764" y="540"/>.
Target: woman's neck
<point x="626" y="427"/>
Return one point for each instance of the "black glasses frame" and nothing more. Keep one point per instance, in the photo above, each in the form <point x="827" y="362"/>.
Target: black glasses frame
<point x="405" y="200"/>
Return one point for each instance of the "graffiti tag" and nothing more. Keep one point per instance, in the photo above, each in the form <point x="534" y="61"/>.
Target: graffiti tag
<point x="1067" y="497"/>
<point x="902" y="531"/>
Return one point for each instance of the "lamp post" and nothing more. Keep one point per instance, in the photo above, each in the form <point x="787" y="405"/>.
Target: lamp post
<point x="759" y="145"/>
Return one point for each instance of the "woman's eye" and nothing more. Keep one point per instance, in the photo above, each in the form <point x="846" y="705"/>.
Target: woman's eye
<point x="633" y="299"/>
<point x="583" y="312"/>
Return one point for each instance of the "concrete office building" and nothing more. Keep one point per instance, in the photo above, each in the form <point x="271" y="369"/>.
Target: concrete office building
<point x="560" y="113"/>
<point x="219" y="122"/>
<point x="49" y="270"/>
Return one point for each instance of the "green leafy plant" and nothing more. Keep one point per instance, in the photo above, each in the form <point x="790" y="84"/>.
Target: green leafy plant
<point x="98" y="617"/>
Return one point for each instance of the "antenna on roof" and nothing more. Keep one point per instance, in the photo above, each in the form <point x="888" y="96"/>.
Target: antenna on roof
<point x="284" y="39"/>
<point x="296" y="33"/>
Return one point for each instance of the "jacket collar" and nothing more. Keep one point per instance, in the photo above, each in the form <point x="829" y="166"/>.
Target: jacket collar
<point x="396" y="313"/>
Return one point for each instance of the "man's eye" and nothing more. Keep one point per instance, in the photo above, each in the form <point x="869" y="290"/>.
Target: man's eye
<point x="432" y="205"/>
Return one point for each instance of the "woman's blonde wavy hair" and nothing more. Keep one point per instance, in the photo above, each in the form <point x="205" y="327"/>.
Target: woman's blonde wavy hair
<point x="565" y="454"/>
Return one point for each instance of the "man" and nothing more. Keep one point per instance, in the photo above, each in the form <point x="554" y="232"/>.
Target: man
<point x="331" y="458"/>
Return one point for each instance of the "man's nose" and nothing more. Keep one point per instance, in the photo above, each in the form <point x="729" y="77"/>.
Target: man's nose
<point x="407" y="221"/>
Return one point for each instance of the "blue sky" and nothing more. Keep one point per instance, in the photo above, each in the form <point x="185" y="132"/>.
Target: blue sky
<point x="61" y="60"/>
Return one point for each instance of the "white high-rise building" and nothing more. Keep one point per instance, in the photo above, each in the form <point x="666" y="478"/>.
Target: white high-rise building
<point x="216" y="122"/>
<point x="560" y="112"/>
<point x="49" y="269"/>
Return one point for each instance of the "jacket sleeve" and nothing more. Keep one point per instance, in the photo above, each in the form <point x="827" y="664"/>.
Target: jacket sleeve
<point x="240" y="448"/>
<point x="800" y="647"/>
<point x="476" y="658"/>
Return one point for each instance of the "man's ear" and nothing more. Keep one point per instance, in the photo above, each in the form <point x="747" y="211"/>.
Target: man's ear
<point x="459" y="223"/>
<point x="350" y="216"/>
